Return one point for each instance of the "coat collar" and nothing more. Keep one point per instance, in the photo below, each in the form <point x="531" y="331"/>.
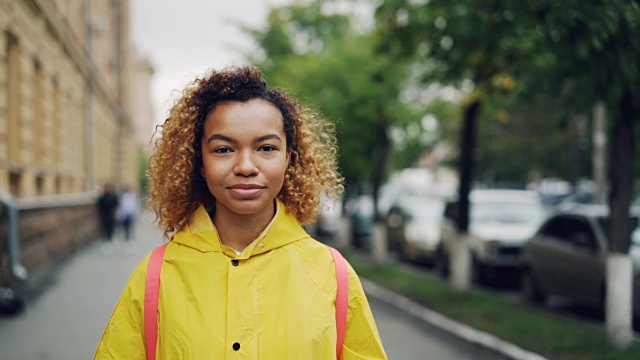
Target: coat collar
<point x="201" y="234"/>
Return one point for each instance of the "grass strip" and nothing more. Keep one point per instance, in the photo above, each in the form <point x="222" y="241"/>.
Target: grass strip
<point x="533" y="329"/>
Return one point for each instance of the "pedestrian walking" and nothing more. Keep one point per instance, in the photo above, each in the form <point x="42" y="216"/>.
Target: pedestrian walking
<point x="128" y="209"/>
<point x="107" y="205"/>
<point x="238" y="168"/>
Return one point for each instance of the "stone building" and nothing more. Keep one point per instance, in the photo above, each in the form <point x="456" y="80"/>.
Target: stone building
<point x="66" y="75"/>
<point x="71" y="95"/>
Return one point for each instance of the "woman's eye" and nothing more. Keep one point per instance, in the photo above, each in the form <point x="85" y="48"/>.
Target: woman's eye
<point x="268" y="148"/>
<point x="222" y="150"/>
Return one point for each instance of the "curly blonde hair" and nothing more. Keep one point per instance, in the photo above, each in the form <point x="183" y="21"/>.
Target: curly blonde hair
<point x="176" y="185"/>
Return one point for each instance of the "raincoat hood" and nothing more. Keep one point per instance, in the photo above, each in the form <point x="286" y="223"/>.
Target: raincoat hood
<point x="200" y="234"/>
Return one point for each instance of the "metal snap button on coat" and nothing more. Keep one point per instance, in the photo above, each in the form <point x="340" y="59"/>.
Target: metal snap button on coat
<point x="235" y="262"/>
<point x="236" y="346"/>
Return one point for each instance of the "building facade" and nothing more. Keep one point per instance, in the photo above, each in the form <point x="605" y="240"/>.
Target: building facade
<point x="66" y="75"/>
<point x="71" y="97"/>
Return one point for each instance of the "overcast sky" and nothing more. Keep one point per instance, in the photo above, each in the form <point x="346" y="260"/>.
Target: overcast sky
<point x="185" y="38"/>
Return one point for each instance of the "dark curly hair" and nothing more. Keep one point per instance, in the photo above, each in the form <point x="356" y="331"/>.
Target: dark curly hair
<point x="176" y="186"/>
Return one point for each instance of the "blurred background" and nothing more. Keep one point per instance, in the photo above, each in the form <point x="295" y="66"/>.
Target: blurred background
<point x="486" y="146"/>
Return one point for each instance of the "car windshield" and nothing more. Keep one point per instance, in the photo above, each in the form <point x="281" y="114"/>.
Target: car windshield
<point x="503" y="212"/>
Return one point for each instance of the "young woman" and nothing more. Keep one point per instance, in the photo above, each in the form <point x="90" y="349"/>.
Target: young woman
<point x="238" y="167"/>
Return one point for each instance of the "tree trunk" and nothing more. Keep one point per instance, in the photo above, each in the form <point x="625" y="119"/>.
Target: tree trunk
<point x="460" y="258"/>
<point x="600" y="151"/>
<point x="465" y="164"/>
<point x="380" y="157"/>
<point x="460" y="268"/>
<point x="619" y="304"/>
<point x="577" y="150"/>
<point x="619" y="277"/>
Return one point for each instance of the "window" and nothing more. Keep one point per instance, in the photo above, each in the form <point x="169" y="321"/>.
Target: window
<point x="14" y="184"/>
<point x="40" y="185"/>
<point x="38" y="114"/>
<point x="13" y="98"/>
<point x="571" y="230"/>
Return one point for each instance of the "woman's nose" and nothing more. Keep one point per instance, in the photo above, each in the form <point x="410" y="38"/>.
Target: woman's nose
<point x="245" y="164"/>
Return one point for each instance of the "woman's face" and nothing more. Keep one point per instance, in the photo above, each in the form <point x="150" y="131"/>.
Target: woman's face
<point x="244" y="156"/>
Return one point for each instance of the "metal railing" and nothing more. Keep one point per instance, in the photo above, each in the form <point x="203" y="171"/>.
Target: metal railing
<point x="15" y="266"/>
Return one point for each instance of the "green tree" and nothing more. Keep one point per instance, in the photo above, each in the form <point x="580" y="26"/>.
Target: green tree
<point x="595" y="45"/>
<point x="413" y="140"/>
<point x="581" y="51"/>
<point x="143" y="181"/>
<point x="465" y="45"/>
<point x="333" y="67"/>
<point x="528" y="140"/>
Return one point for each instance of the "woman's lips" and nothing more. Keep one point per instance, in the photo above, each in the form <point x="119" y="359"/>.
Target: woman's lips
<point x="246" y="190"/>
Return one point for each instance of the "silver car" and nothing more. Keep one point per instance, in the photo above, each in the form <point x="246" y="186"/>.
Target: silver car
<point x="567" y="257"/>
<point x="413" y="227"/>
<point x="500" y="222"/>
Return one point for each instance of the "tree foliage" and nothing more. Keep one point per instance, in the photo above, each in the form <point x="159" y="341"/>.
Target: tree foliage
<point x="333" y="67"/>
<point x="580" y="52"/>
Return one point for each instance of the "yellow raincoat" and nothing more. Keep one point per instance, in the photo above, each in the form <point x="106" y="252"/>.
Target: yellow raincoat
<point x="275" y="302"/>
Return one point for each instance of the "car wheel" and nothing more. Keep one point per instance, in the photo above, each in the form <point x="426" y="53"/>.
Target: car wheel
<point x="391" y="245"/>
<point x="477" y="270"/>
<point x="602" y="308"/>
<point x="356" y="240"/>
<point x="405" y="254"/>
<point x="442" y="263"/>
<point x="531" y="288"/>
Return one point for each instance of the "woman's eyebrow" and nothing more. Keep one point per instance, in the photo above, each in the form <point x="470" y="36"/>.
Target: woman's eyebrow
<point x="221" y="137"/>
<point x="234" y="141"/>
<point x="268" y="137"/>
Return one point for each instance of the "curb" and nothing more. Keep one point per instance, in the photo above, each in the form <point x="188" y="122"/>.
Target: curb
<point x="453" y="327"/>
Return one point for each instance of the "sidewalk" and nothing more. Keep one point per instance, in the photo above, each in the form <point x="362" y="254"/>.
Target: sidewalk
<point x="65" y="320"/>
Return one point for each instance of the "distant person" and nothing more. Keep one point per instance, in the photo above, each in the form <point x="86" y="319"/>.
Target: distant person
<point x="107" y="206"/>
<point x="128" y="209"/>
<point x="238" y="168"/>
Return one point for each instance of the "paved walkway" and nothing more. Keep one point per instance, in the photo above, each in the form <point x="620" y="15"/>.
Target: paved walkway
<point x="78" y="299"/>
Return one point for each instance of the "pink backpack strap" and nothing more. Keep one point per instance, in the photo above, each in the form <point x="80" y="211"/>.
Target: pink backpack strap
<point x="342" y="297"/>
<point x="152" y="293"/>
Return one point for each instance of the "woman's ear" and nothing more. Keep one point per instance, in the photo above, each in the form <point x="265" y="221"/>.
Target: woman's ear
<point x="288" y="155"/>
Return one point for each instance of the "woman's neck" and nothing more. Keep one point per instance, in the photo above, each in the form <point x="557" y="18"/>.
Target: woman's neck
<point x="238" y="231"/>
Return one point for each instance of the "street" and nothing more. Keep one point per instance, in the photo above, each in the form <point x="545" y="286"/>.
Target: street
<point x="405" y="337"/>
<point x="66" y="319"/>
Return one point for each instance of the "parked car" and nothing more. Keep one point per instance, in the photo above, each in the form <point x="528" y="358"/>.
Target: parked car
<point x="575" y="200"/>
<point x="500" y="222"/>
<point x="361" y="212"/>
<point x="329" y="219"/>
<point x="567" y="257"/>
<point x="583" y="198"/>
<point x="413" y="227"/>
